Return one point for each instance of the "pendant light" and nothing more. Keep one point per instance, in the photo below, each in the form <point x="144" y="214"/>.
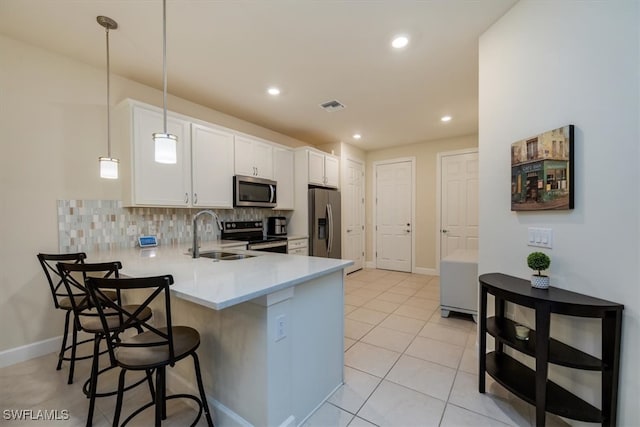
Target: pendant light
<point x="165" y="143"/>
<point x="108" y="165"/>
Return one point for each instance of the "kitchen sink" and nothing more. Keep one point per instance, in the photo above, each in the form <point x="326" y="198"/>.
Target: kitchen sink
<point x="224" y="256"/>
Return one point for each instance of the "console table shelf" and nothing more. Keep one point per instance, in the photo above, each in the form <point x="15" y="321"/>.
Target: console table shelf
<point x="533" y="386"/>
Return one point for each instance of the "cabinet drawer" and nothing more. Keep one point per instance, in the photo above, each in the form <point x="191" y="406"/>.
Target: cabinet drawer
<point x="299" y="251"/>
<point x="297" y="243"/>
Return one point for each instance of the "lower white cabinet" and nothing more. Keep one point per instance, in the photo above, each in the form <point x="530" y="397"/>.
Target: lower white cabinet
<point x="298" y="247"/>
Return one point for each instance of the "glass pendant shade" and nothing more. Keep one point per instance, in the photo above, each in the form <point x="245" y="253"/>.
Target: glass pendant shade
<point x="108" y="168"/>
<point x="165" y="148"/>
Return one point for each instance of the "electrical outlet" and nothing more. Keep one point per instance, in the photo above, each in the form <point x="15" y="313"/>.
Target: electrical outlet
<point x="209" y="228"/>
<point x="152" y="229"/>
<point x="281" y="327"/>
<point x="132" y="230"/>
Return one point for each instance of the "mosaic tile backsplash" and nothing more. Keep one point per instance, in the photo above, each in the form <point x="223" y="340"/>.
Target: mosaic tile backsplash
<point x="92" y="225"/>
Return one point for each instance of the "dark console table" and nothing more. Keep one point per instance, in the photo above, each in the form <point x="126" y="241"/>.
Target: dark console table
<point x="533" y="386"/>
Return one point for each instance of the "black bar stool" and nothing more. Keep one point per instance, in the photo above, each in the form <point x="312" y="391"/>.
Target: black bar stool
<point x="156" y="348"/>
<point x="62" y="301"/>
<point x="87" y="318"/>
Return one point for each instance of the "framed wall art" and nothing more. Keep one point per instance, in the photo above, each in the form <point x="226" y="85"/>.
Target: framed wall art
<point x="542" y="171"/>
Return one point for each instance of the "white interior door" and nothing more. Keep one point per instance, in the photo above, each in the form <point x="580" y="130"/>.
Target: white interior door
<point x="353" y="208"/>
<point x="459" y="202"/>
<point x="394" y="194"/>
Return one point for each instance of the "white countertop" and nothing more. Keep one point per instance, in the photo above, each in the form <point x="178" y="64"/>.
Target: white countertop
<point x="220" y="284"/>
<point x="296" y="236"/>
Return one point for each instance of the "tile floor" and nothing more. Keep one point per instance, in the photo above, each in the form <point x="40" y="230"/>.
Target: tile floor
<point x="407" y="366"/>
<point x="404" y="366"/>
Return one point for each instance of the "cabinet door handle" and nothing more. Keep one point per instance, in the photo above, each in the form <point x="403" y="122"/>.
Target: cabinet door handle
<point x="195" y="198"/>
<point x="186" y="198"/>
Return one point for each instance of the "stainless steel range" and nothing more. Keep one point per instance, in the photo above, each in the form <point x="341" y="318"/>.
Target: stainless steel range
<point x="251" y="231"/>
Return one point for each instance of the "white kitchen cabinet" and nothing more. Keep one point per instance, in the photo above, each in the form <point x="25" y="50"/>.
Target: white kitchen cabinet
<point x="202" y="175"/>
<point x="283" y="175"/>
<point x="156" y="183"/>
<point x="298" y="247"/>
<point x="324" y="169"/>
<point x="211" y="167"/>
<point x="253" y="157"/>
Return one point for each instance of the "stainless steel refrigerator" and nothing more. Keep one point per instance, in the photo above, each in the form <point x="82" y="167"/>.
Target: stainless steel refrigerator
<point x="324" y="223"/>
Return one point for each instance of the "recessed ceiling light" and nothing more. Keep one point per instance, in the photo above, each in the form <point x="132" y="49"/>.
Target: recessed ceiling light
<point x="273" y="91"/>
<point x="446" y="118"/>
<point x="357" y="136"/>
<point x="400" y="41"/>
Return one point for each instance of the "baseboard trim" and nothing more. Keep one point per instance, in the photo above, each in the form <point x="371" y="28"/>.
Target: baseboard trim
<point x="29" y="351"/>
<point x="370" y="264"/>
<point x="426" y="271"/>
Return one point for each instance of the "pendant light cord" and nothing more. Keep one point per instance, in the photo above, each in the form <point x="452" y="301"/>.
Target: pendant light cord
<point x="164" y="62"/>
<point x="108" y="98"/>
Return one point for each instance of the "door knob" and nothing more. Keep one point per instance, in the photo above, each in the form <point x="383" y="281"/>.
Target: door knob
<point x="445" y="231"/>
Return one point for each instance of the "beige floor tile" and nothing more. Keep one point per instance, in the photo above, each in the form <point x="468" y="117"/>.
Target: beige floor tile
<point x="366" y="293"/>
<point x="436" y="351"/>
<point x="328" y="415"/>
<point x="411" y="285"/>
<point x="355" y="330"/>
<point x="419" y="278"/>
<point x="381" y="305"/>
<point x="454" y="416"/>
<point x="356" y="300"/>
<point x="444" y="333"/>
<point x="429" y="292"/>
<point x="353" y="285"/>
<point x="359" y="422"/>
<point x="349" y="308"/>
<point x="402" y="290"/>
<point x="348" y="342"/>
<point x="496" y="403"/>
<point x="418" y="302"/>
<point x="356" y="389"/>
<point x="423" y="376"/>
<point x="394" y="405"/>
<point x="371" y="359"/>
<point x="403" y="324"/>
<point x="391" y="297"/>
<point x="367" y="315"/>
<point x="388" y="338"/>
<point x="469" y="361"/>
<point x="380" y="285"/>
<point x="472" y="340"/>
<point x="414" y="312"/>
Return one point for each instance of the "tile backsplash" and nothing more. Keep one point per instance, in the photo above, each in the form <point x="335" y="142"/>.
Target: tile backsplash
<point x="91" y="225"/>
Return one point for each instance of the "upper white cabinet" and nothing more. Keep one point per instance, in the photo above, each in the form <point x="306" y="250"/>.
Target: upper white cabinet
<point x="283" y="175"/>
<point x="253" y="157"/>
<point x="202" y="176"/>
<point x="156" y="183"/>
<point x="324" y="169"/>
<point x="211" y="167"/>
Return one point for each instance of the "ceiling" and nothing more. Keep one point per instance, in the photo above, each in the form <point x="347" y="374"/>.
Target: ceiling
<point x="224" y="54"/>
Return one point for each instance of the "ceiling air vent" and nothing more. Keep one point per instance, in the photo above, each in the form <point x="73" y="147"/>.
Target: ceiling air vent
<point x="332" y="106"/>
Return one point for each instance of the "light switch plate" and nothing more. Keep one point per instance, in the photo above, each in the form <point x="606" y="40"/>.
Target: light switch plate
<point x="540" y="237"/>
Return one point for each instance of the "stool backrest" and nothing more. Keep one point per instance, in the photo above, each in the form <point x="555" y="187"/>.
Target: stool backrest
<point x="49" y="265"/>
<point x="159" y="286"/>
<point x="75" y="285"/>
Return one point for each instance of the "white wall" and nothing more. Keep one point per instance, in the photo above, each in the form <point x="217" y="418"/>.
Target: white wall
<point x="542" y="66"/>
<point x="53" y="122"/>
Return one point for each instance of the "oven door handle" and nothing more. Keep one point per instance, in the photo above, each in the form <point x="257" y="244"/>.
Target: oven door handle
<point x="258" y="246"/>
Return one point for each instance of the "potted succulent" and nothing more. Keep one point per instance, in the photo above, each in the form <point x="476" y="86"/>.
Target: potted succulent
<point x="539" y="261"/>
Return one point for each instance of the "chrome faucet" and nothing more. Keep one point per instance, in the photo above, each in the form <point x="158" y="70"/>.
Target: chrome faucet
<point x="195" y="251"/>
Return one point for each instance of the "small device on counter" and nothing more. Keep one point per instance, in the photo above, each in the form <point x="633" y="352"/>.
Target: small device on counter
<point x="147" y="241"/>
<point x="277" y="226"/>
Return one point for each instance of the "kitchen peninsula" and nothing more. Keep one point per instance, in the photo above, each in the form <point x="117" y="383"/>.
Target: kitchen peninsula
<point x="271" y="328"/>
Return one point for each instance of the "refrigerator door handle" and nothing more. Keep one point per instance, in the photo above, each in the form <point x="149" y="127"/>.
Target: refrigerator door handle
<point x="330" y="231"/>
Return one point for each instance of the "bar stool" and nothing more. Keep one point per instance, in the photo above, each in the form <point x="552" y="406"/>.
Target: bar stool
<point x="87" y="318"/>
<point x="156" y="348"/>
<point x="62" y="301"/>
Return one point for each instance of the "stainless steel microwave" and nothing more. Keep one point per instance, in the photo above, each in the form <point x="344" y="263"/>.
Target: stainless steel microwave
<point x="249" y="191"/>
